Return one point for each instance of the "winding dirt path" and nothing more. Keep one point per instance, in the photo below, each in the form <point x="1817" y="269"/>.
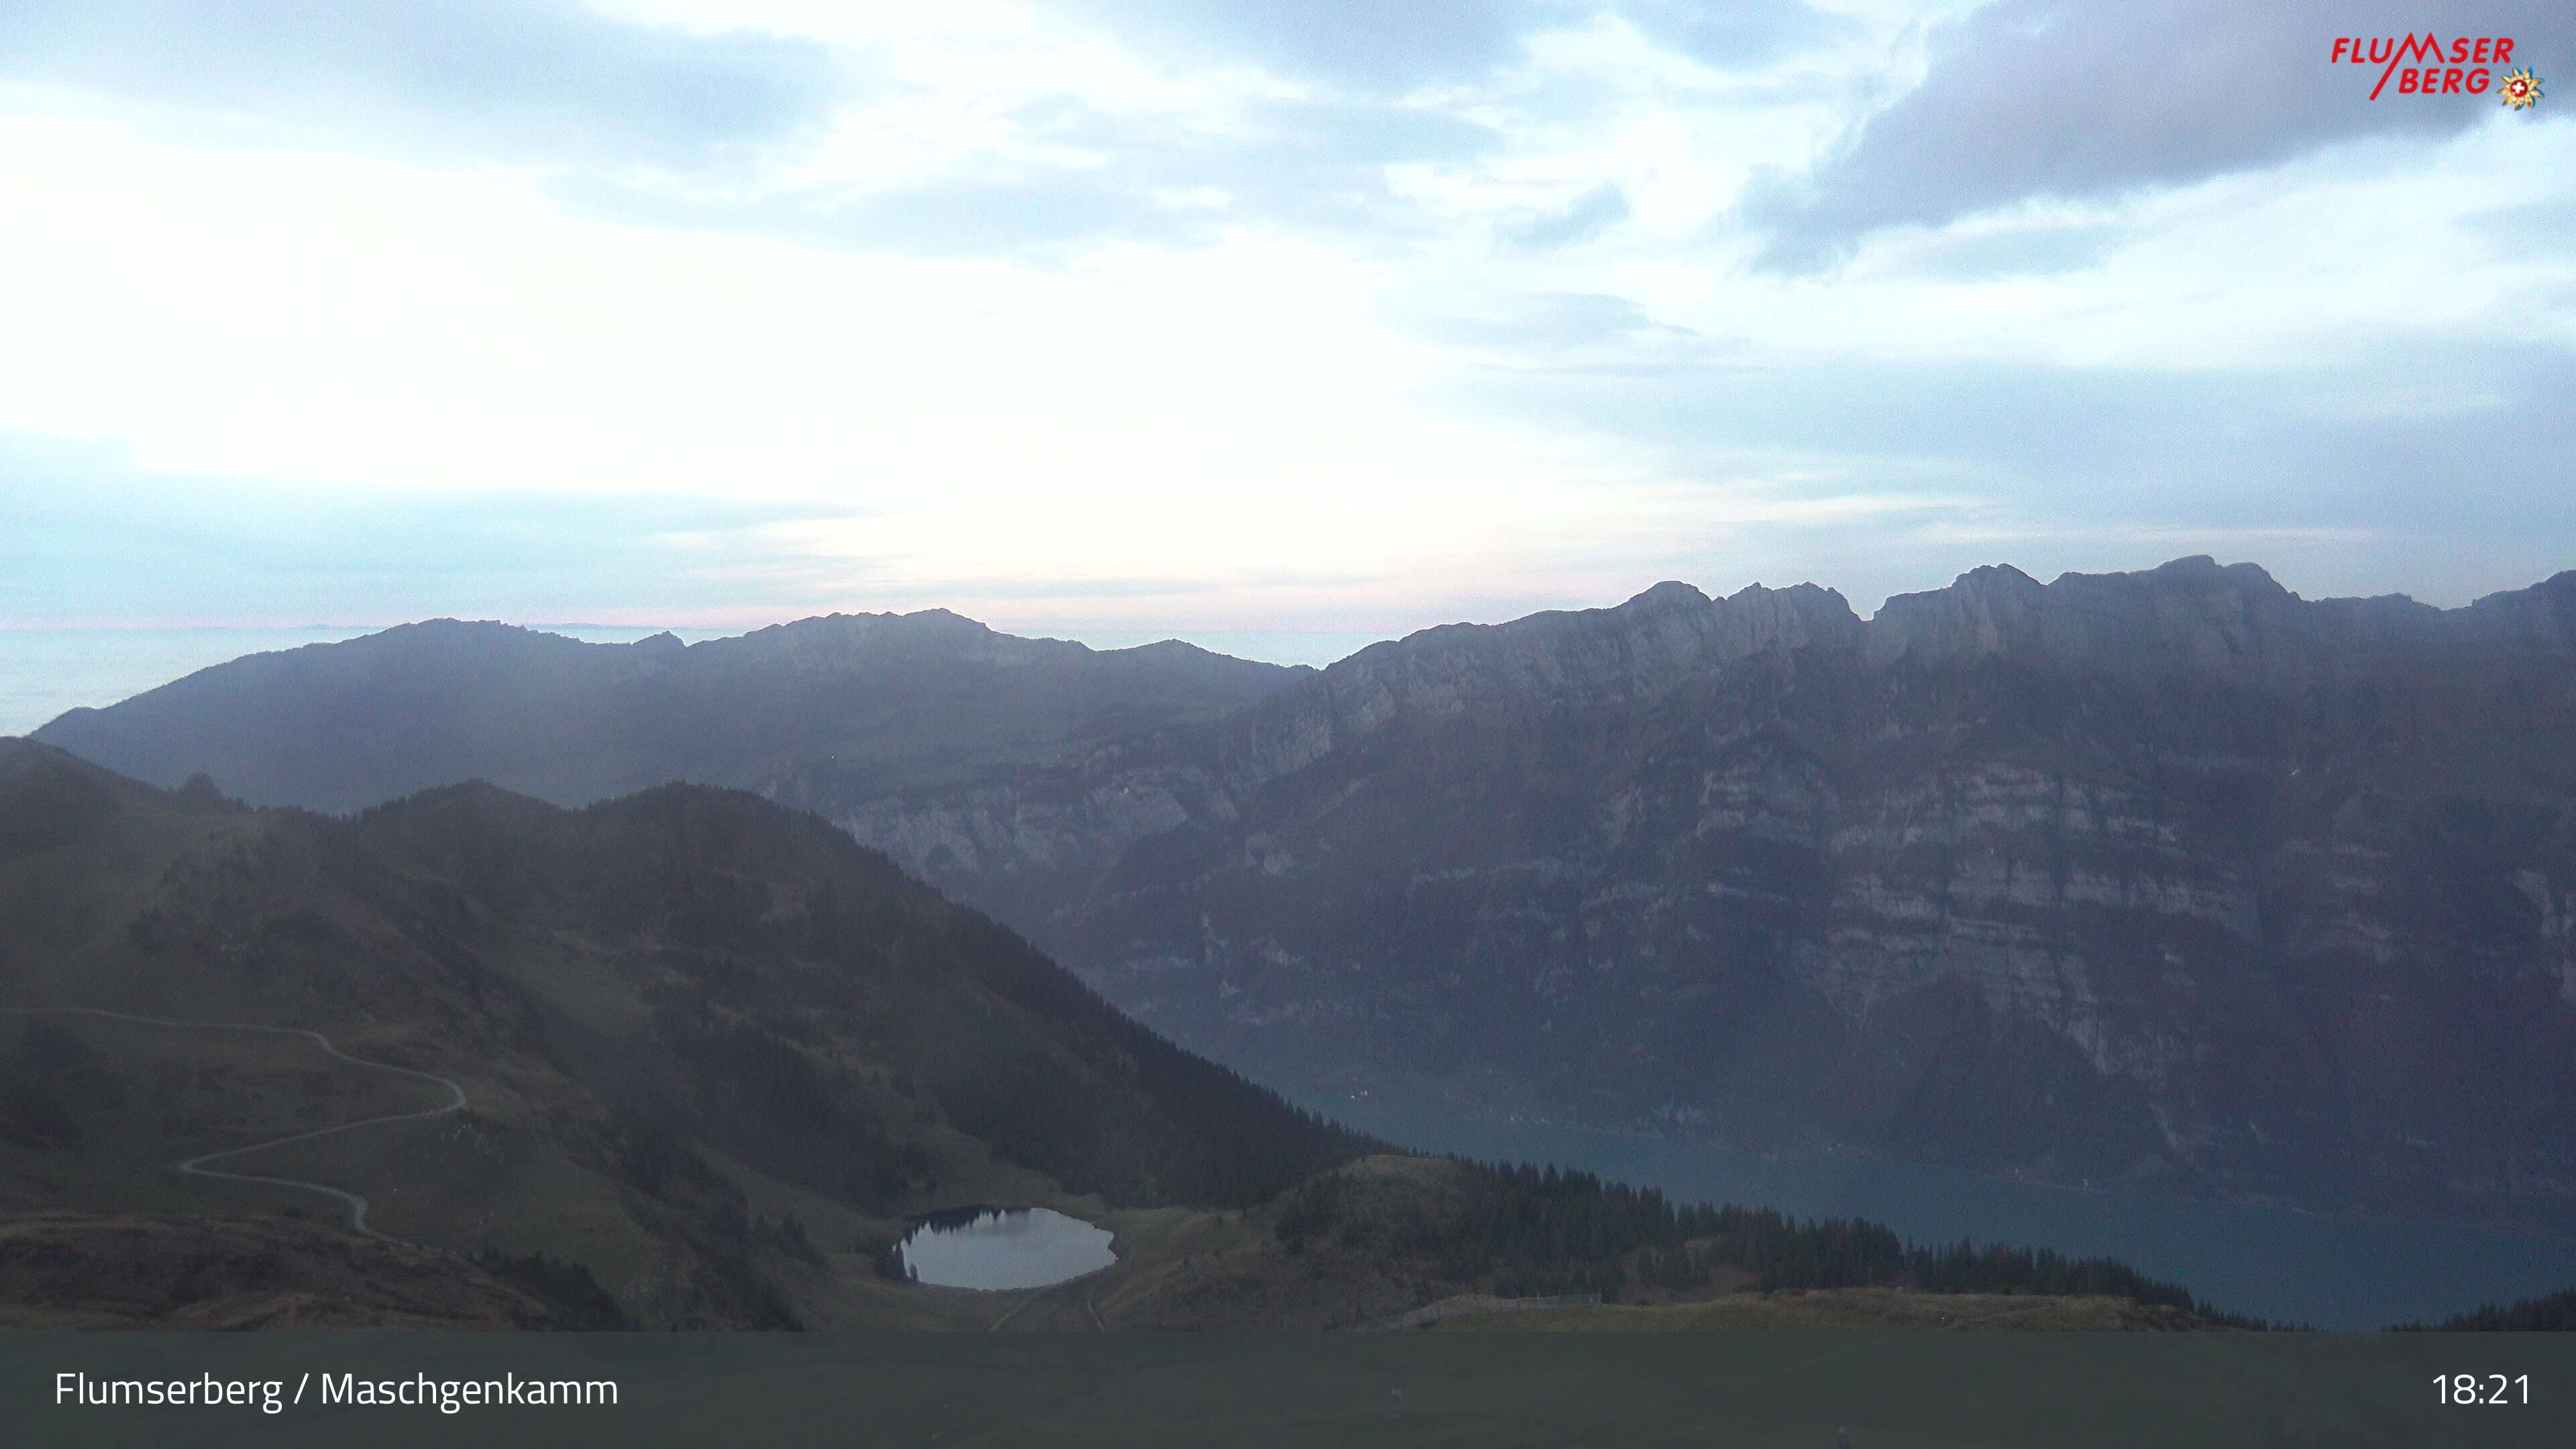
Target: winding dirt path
<point x="196" y="1166"/>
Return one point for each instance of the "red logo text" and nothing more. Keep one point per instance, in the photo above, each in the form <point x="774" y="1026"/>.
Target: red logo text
<point x="2424" y="66"/>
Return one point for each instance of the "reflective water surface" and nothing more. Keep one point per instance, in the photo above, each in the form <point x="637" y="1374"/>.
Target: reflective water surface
<point x="2273" y="1262"/>
<point x="1005" y="1248"/>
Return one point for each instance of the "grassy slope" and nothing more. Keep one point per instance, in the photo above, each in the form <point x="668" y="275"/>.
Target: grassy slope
<point x="679" y="1018"/>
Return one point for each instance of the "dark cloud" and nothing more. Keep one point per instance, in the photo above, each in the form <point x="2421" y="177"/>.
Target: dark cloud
<point x="1579" y="220"/>
<point x="2033" y="98"/>
<point x="521" y="78"/>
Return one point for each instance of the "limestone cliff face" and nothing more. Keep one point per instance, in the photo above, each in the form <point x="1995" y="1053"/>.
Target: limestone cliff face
<point x="2168" y="878"/>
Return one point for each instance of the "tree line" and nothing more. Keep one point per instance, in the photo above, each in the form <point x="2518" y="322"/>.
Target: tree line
<point x="1520" y="1230"/>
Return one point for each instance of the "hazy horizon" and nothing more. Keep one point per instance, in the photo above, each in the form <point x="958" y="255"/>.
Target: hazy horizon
<point x="38" y="683"/>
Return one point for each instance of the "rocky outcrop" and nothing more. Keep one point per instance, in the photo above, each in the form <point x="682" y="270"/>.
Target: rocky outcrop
<point x="2171" y="878"/>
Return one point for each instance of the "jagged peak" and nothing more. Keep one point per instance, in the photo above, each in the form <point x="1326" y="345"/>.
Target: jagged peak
<point x="2562" y="582"/>
<point x="1758" y="590"/>
<point x="1985" y="576"/>
<point x="444" y="625"/>
<point x="923" y="618"/>
<point x="1805" y="598"/>
<point x="2198" y="563"/>
<point x="940" y="617"/>
<point x="2200" y="566"/>
<point x="1667" y="594"/>
<point x="2194" y="570"/>
<point x="1170" y="652"/>
<point x="824" y="639"/>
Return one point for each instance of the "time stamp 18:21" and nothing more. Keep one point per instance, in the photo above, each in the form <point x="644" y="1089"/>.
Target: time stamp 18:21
<point x="2484" y="1388"/>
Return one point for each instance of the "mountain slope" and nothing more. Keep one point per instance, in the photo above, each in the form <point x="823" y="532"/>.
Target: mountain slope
<point x="714" y="1057"/>
<point x="680" y="1019"/>
<point x="876" y="700"/>
<point x="2171" y="879"/>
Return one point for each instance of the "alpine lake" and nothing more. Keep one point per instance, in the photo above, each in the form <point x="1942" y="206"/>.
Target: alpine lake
<point x="1004" y="1248"/>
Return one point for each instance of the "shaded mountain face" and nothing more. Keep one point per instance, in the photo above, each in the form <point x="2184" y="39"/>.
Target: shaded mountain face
<point x="713" y="1057"/>
<point x="870" y="702"/>
<point x="2170" y="880"/>
<point x="679" y="1020"/>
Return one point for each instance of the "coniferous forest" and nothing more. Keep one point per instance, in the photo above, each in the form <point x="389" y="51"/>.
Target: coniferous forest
<point x="1519" y="1230"/>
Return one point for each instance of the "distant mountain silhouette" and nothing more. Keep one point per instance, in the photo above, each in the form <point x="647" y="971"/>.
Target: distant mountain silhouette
<point x="880" y="701"/>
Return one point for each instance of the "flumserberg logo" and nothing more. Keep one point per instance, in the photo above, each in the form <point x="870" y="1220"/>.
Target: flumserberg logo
<point x="2423" y="65"/>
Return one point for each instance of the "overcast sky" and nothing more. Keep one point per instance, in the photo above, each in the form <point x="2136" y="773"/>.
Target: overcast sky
<point x="1226" y="315"/>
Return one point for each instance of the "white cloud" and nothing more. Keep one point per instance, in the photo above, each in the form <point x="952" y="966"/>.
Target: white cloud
<point x="1251" y="388"/>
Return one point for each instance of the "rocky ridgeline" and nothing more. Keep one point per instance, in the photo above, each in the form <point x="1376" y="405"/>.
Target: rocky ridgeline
<point x="2171" y="879"/>
<point x="833" y="705"/>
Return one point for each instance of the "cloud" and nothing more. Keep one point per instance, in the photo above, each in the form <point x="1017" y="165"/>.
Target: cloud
<point x="1579" y="220"/>
<point x="2017" y="251"/>
<point x="1550" y="322"/>
<point x="1362" y="45"/>
<point x="91" y="537"/>
<point x="1116" y="313"/>
<point x="507" y="78"/>
<point x="1320" y="164"/>
<point x="2368" y="447"/>
<point x="2032" y="98"/>
<point x="1317" y="162"/>
<point x="2341" y="481"/>
<point x="939" y="218"/>
<point x="1730" y="35"/>
<point x="1381" y="48"/>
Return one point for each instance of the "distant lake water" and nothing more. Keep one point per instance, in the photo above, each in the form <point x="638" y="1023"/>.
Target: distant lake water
<point x="1005" y="1248"/>
<point x="2274" y="1263"/>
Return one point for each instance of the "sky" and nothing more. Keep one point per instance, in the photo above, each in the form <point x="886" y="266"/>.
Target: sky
<point x="1231" y="316"/>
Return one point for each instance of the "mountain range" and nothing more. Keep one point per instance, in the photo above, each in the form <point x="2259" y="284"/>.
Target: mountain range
<point x="687" y="1059"/>
<point x="2170" y="880"/>
<point x="868" y="702"/>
